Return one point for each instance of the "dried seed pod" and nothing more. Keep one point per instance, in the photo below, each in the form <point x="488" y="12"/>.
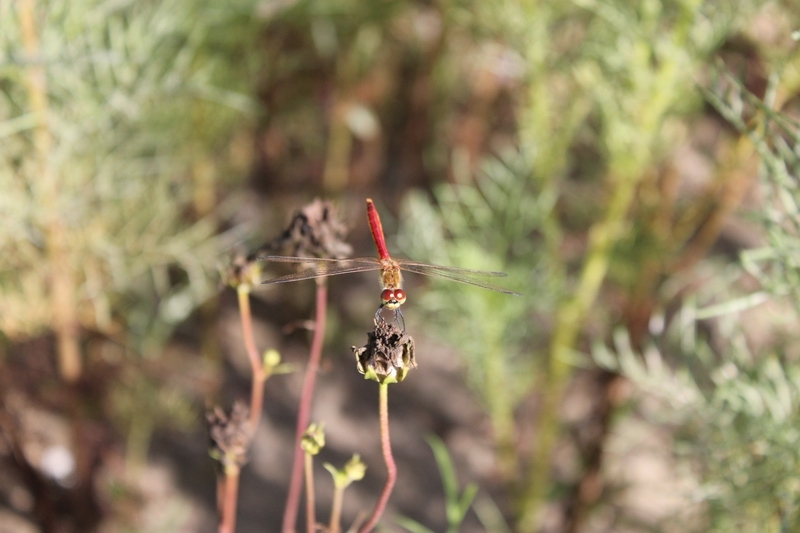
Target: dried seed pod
<point x="315" y="231"/>
<point x="230" y="434"/>
<point x="388" y="355"/>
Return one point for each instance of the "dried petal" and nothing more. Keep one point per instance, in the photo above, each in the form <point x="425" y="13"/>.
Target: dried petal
<point x="230" y="434"/>
<point x="315" y="231"/>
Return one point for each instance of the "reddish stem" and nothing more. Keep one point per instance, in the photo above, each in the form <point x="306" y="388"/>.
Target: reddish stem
<point x="391" y="467"/>
<point x="304" y="410"/>
<point x="259" y="376"/>
<point x="228" y="488"/>
<point x="228" y="522"/>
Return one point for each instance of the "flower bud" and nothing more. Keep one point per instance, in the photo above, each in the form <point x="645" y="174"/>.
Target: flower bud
<point x="353" y="470"/>
<point x="313" y="439"/>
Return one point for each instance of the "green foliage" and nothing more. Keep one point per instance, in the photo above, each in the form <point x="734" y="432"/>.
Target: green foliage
<point x="738" y="418"/>
<point x="734" y="396"/>
<point x="489" y="227"/>
<point x="456" y="506"/>
<point x="776" y="138"/>
<point x="492" y="226"/>
<point x="608" y="85"/>
<point x="135" y="93"/>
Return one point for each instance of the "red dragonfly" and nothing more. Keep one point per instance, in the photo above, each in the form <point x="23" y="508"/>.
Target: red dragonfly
<point x="391" y="278"/>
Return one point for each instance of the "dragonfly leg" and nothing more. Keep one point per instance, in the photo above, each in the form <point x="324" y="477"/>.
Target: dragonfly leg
<point x="399" y="318"/>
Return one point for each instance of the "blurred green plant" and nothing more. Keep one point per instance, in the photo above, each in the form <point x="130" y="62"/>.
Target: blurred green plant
<point x="456" y="505"/>
<point x="139" y="404"/>
<point x="775" y="136"/>
<point x="737" y="417"/>
<point x="725" y="366"/>
<point x="607" y="80"/>
<point x="749" y="431"/>
<point x="493" y="227"/>
<point x="114" y="119"/>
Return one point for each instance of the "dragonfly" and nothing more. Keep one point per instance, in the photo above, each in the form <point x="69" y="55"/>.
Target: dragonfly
<point x="390" y="269"/>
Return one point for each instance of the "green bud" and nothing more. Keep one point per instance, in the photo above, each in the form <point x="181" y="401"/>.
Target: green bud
<point x="272" y="358"/>
<point x="313" y="439"/>
<point x="355" y="468"/>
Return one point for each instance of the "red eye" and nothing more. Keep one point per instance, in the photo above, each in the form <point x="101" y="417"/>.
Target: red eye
<point x="400" y="295"/>
<point x="386" y="295"/>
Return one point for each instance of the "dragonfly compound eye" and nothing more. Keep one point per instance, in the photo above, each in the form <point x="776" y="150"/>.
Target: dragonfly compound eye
<point x="387" y="295"/>
<point x="393" y="298"/>
<point x="400" y="296"/>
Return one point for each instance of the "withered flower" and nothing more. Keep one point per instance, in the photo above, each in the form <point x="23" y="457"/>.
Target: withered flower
<point x="242" y="273"/>
<point x="315" y="231"/>
<point x="230" y="434"/>
<point x="388" y="355"/>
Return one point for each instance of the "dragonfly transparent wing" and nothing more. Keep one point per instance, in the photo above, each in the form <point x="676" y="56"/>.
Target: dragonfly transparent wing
<point x="461" y="275"/>
<point x="320" y="267"/>
<point x="454" y="270"/>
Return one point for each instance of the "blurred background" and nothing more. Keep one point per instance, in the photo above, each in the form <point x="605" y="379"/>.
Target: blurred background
<point x="632" y="166"/>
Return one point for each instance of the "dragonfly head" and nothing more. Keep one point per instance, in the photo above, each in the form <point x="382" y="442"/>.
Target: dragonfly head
<point x="393" y="298"/>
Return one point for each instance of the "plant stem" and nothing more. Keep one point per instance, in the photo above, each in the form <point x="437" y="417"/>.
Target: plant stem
<point x="259" y="376"/>
<point x="310" y="518"/>
<point x="62" y="286"/>
<point x="304" y="409"/>
<point x="231" y="486"/>
<point x="570" y="316"/>
<point x="336" y="510"/>
<point x="340" y="145"/>
<point x="391" y="467"/>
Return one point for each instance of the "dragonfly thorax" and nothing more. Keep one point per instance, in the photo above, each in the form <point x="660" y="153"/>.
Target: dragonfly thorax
<point x="390" y="274"/>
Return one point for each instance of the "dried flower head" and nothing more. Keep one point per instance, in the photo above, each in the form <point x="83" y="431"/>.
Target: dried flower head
<point x="315" y="231"/>
<point x="242" y="272"/>
<point x="230" y="434"/>
<point x="388" y="355"/>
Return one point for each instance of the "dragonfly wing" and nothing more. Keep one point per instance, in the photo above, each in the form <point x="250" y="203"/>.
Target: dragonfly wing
<point x="461" y="275"/>
<point x="321" y="267"/>
<point x="315" y="260"/>
<point x="408" y="265"/>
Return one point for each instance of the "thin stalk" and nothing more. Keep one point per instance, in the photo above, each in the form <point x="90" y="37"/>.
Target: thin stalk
<point x="231" y="483"/>
<point x="304" y="409"/>
<point x="391" y="467"/>
<point x="628" y="163"/>
<point x="229" y="488"/>
<point x="334" y="526"/>
<point x="259" y="375"/>
<point x="62" y="286"/>
<point x="340" y="145"/>
<point x="137" y="443"/>
<point x="311" y="520"/>
<point x="570" y="317"/>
